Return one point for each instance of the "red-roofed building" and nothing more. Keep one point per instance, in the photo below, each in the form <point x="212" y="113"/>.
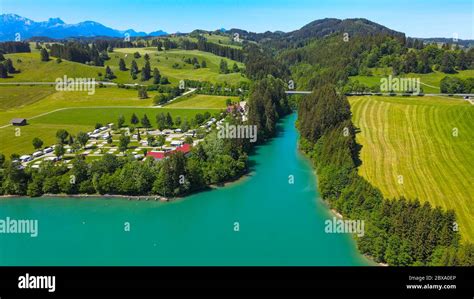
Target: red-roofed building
<point x="156" y="155"/>
<point x="185" y="149"/>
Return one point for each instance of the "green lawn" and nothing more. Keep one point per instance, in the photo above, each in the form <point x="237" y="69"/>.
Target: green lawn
<point x="91" y="116"/>
<point x="18" y="96"/>
<point x="413" y="138"/>
<point x="202" y="101"/>
<point x="110" y="96"/>
<point x="429" y="82"/>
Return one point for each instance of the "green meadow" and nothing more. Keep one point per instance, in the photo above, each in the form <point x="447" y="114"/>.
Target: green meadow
<point x="55" y="100"/>
<point x="201" y="101"/>
<point x="18" y="96"/>
<point x="419" y="148"/>
<point x="225" y="40"/>
<point x="164" y="61"/>
<point x="429" y="82"/>
<point x="33" y="70"/>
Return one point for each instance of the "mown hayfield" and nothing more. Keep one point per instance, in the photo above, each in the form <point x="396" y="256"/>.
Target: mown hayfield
<point x="429" y="82"/>
<point x="410" y="148"/>
<point x="202" y="101"/>
<point x="18" y="96"/>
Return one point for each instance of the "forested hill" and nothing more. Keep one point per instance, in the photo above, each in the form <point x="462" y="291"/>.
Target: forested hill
<point x="325" y="27"/>
<point x="318" y="29"/>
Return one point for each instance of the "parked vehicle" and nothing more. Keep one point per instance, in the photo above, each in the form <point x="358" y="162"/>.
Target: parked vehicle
<point x="38" y="154"/>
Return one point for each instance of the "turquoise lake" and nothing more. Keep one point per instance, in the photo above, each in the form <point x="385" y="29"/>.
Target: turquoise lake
<point x="278" y="223"/>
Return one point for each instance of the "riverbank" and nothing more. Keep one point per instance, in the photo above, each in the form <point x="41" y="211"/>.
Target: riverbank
<point x="337" y="213"/>
<point x="133" y="197"/>
<point x="89" y="196"/>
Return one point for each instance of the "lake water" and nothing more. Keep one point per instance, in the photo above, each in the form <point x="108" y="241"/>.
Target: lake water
<point x="278" y="223"/>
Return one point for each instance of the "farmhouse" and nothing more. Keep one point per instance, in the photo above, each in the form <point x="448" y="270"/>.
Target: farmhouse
<point x="19" y="121"/>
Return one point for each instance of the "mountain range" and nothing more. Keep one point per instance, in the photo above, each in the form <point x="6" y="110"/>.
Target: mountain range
<point x="11" y="25"/>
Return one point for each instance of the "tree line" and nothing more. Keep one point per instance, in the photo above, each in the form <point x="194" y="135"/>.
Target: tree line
<point x="79" y="52"/>
<point x="14" y="47"/>
<point x="216" y="49"/>
<point x="457" y="85"/>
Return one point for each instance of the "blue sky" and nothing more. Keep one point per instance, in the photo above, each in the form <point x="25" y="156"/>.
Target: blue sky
<point x="418" y="18"/>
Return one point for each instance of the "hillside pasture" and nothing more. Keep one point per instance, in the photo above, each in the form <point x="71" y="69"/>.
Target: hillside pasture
<point x="164" y="61"/>
<point x="430" y="83"/>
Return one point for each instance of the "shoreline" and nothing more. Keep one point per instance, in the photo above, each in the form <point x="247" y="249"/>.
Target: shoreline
<point x="149" y="197"/>
<point x="337" y="214"/>
<point x="95" y="196"/>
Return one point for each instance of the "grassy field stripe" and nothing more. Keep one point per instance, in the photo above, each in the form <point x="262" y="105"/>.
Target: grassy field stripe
<point x="459" y="188"/>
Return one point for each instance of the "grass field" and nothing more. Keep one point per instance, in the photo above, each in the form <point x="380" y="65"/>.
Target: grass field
<point x="33" y="70"/>
<point x="415" y="138"/>
<point x="17" y="96"/>
<point x="25" y="105"/>
<point x="164" y="61"/>
<point x="429" y="82"/>
<point x="201" y="101"/>
<point x="224" y="40"/>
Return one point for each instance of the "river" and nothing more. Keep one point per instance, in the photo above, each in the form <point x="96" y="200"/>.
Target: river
<point x="262" y="219"/>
